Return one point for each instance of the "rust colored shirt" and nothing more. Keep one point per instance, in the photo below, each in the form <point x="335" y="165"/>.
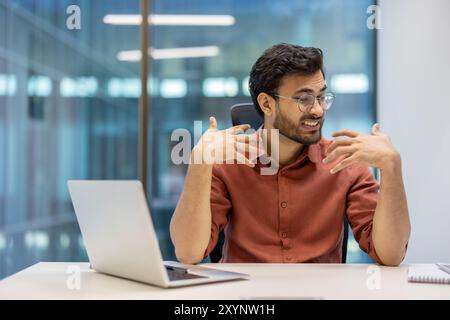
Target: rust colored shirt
<point x="295" y="215"/>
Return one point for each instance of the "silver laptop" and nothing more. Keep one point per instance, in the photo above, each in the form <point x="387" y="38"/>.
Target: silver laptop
<point x="120" y="239"/>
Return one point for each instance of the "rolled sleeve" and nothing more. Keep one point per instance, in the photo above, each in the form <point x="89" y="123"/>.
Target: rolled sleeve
<point x="220" y="208"/>
<point x="362" y="201"/>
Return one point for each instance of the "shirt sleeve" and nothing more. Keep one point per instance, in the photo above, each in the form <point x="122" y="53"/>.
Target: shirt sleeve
<point x="220" y="208"/>
<point x="362" y="201"/>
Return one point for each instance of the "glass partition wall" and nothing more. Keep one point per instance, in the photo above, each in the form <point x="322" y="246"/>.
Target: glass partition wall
<point x="69" y="98"/>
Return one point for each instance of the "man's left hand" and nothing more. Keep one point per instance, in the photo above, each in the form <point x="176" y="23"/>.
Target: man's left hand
<point x="374" y="150"/>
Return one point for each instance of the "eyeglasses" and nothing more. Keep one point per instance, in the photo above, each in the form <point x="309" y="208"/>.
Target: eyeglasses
<point x="306" y="101"/>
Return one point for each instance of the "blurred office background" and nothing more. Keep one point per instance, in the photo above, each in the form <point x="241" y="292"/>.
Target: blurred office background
<point x="69" y="99"/>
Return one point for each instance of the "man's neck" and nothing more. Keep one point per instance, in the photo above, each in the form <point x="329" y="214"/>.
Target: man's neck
<point x="289" y="150"/>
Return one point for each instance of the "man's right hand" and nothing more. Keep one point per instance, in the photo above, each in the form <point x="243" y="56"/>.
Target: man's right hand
<point x="190" y="227"/>
<point x="224" y="146"/>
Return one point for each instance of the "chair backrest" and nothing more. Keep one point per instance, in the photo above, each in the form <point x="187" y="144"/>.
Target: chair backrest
<point x="345" y="240"/>
<point x="244" y="113"/>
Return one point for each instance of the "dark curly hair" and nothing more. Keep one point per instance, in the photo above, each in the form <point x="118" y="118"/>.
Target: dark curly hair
<point x="279" y="61"/>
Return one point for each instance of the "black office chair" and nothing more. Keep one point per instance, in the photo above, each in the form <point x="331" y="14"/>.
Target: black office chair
<point x="245" y="113"/>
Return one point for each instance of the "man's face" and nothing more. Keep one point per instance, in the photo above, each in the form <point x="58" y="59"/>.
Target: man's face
<point x="289" y="119"/>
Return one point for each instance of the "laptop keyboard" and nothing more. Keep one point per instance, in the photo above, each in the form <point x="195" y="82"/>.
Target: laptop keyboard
<point x="180" y="274"/>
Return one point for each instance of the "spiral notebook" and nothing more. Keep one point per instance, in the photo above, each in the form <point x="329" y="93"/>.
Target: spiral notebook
<point x="429" y="273"/>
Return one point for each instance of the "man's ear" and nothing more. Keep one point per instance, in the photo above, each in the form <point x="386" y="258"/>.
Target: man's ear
<point x="266" y="103"/>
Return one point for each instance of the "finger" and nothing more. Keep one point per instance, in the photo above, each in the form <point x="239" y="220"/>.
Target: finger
<point x="338" y="152"/>
<point x="238" y="129"/>
<point x="244" y="138"/>
<point x="246" y="147"/>
<point x="241" y="159"/>
<point x="345" y="132"/>
<point x="339" y="143"/>
<point x="376" y="129"/>
<point x="256" y="149"/>
<point x="344" y="163"/>
<point x="212" y="123"/>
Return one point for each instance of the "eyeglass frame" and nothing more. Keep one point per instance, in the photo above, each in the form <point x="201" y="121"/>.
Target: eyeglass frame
<point x="316" y="98"/>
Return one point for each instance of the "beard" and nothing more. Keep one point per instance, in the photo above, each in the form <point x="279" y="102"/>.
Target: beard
<point x="292" y="130"/>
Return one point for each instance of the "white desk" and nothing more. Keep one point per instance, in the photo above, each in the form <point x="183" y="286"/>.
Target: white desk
<point x="292" y="281"/>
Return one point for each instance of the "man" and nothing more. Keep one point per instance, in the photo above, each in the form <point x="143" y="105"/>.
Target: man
<point x="296" y="214"/>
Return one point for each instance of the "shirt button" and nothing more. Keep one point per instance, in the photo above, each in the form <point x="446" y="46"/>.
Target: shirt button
<point x="283" y="204"/>
<point x="284" y="234"/>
